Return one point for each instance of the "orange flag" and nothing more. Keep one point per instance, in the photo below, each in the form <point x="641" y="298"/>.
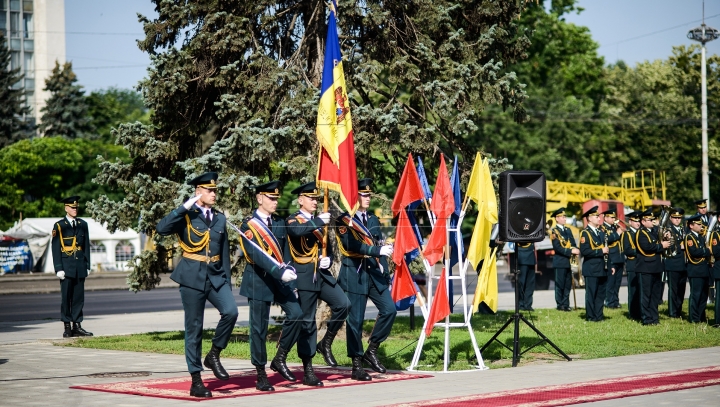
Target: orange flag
<point x="402" y="286"/>
<point x="405" y="240"/>
<point x="409" y="190"/>
<point x="440" y="307"/>
<point x="443" y="205"/>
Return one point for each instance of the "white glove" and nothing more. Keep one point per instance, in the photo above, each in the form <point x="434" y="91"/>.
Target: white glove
<point x="324" y="262"/>
<point x="288" y="275"/>
<point x="386" y="250"/>
<point x="190" y="202"/>
<point x="325" y="216"/>
<point x="61" y="275"/>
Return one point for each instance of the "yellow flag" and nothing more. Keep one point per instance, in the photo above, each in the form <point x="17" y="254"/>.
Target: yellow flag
<point x="487" y="287"/>
<point x="491" y="208"/>
<point x="474" y="191"/>
<point x="478" y="248"/>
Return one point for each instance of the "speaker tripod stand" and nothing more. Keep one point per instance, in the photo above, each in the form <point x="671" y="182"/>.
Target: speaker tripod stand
<point x="515" y="320"/>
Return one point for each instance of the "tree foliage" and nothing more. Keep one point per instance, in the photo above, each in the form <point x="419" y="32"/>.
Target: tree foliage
<point x="13" y="110"/>
<point x="109" y="108"/>
<point x="66" y="111"/>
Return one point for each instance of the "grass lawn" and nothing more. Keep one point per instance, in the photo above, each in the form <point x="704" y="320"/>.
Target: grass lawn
<point x="616" y="336"/>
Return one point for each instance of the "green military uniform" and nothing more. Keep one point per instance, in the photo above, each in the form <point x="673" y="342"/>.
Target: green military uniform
<point x="675" y="268"/>
<point x="617" y="262"/>
<point x="563" y="242"/>
<point x="525" y="253"/>
<point x="715" y="271"/>
<point x="633" y="283"/>
<point x="71" y="254"/>
<point x="649" y="268"/>
<point x="698" y="272"/>
<point x="594" y="269"/>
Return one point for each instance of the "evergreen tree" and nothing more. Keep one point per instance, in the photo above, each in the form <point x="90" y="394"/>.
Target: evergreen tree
<point x="13" y="110"/>
<point x="109" y="108"/>
<point x="66" y="111"/>
<point x="233" y="87"/>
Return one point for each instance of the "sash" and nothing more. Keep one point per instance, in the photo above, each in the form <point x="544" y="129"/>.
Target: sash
<point x="265" y="237"/>
<point x="301" y="218"/>
<point x="360" y="231"/>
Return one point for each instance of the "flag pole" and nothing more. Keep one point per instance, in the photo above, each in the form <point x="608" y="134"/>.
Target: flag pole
<point x="325" y="233"/>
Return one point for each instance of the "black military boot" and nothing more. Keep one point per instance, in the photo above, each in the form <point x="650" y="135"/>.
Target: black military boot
<point x="370" y="357"/>
<point x="358" y="373"/>
<point x="325" y="348"/>
<point x="262" y="384"/>
<point x="278" y="365"/>
<point x="68" y="330"/>
<point x="198" y="388"/>
<point x="79" y="331"/>
<point x="309" y="379"/>
<point x="212" y="361"/>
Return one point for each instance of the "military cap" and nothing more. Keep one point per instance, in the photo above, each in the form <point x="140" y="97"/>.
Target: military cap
<point x="677" y="213"/>
<point x="611" y="212"/>
<point x="364" y="186"/>
<point x="648" y="214"/>
<point x="310" y="190"/>
<point x="634" y="216"/>
<point x="558" y="212"/>
<point x="701" y="203"/>
<point x="71" y="201"/>
<point x="591" y="211"/>
<point x="271" y="189"/>
<point x="696" y="219"/>
<point x="207" y="180"/>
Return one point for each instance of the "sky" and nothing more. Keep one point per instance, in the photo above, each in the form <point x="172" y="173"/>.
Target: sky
<point x="101" y="34"/>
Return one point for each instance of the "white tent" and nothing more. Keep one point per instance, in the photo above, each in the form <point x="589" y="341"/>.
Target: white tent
<point x="108" y="251"/>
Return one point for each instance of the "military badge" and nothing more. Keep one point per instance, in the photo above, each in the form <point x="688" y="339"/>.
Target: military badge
<point x="342" y="230"/>
<point x="690" y="244"/>
<point x="582" y="239"/>
<point x="249" y="234"/>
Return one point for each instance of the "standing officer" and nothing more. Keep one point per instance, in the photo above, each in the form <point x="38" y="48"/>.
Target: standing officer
<point x="617" y="261"/>
<point x="314" y="280"/>
<point x="526" y="275"/>
<point x="266" y="279"/>
<point x="564" y="246"/>
<point x="71" y="258"/>
<point x="630" y="252"/>
<point x="697" y="269"/>
<point x="702" y="209"/>
<point x="649" y="268"/>
<point x="715" y="269"/>
<point x="675" y="264"/>
<point x="363" y="275"/>
<point x="204" y="275"/>
<point x="595" y="265"/>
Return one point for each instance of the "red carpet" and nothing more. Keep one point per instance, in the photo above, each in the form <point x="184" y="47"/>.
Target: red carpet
<point x="575" y="393"/>
<point x="241" y="384"/>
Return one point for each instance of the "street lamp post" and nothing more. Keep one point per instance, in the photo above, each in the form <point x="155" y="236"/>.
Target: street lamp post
<point x="704" y="34"/>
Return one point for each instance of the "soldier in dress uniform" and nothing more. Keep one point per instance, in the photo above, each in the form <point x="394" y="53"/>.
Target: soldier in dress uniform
<point x="364" y="274"/>
<point x="315" y="281"/>
<point x="616" y="258"/>
<point x="204" y="275"/>
<point x="675" y="264"/>
<point x="71" y="259"/>
<point x="268" y="278"/>
<point x="702" y="210"/>
<point x="715" y="269"/>
<point x="525" y="253"/>
<point x="564" y="246"/>
<point x="697" y="268"/>
<point x="595" y="265"/>
<point x="630" y="252"/>
<point x="649" y="268"/>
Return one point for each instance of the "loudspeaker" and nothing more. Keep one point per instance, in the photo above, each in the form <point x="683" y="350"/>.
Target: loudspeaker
<point x="522" y="206"/>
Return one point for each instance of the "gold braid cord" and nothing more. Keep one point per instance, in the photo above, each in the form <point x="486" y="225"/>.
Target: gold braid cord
<point x="687" y="252"/>
<point x="632" y="244"/>
<point x="263" y="245"/>
<point x="306" y="254"/>
<point x="637" y="242"/>
<point x="593" y="245"/>
<point x="347" y="253"/>
<point x="194" y="247"/>
<point x="72" y="249"/>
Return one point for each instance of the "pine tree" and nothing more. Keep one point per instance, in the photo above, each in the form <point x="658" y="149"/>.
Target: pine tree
<point x="66" y="111"/>
<point x="13" y="110"/>
<point x="233" y="87"/>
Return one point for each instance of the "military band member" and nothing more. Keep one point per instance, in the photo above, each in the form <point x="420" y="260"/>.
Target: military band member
<point x="563" y="243"/>
<point x="702" y="210"/>
<point x="268" y="278"/>
<point x="649" y="268"/>
<point x="71" y="259"/>
<point x="595" y="265"/>
<point x="525" y="253"/>
<point x="697" y="269"/>
<point x="675" y="268"/>
<point x="204" y="275"/>
<point x="715" y="270"/>
<point x="616" y="258"/>
<point x="630" y="252"/>
<point x="314" y="280"/>
<point x="364" y="274"/>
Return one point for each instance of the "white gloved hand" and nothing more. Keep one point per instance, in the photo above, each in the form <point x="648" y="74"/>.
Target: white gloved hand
<point x="190" y="202"/>
<point x="61" y="275"/>
<point x="325" y="216"/>
<point x="324" y="262"/>
<point x="288" y="275"/>
<point x="386" y="250"/>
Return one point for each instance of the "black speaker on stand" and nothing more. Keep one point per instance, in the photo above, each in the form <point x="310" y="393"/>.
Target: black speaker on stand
<point x="522" y="220"/>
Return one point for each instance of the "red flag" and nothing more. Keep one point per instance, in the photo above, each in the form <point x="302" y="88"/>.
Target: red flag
<point x="403" y="285"/>
<point x="405" y="240"/>
<point x="409" y="190"/>
<point x="443" y="205"/>
<point x="440" y="307"/>
<point x="344" y="181"/>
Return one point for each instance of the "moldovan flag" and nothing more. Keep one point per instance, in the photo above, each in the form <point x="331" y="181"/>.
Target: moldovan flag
<point x="409" y="190"/>
<point x="440" y="307"/>
<point x="336" y="169"/>
<point x="443" y="205"/>
<point x="480" y="189"/>
<point x="403" y="285"/>
<point x="487" y="286"/>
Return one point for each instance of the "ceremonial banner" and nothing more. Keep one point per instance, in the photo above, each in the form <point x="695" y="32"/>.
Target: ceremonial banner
<point x="487" y="286"/>
<point x="403" y="285"/>
<point x="481" y="191"/>
<point x="409" y="190"/>
<point x="443" y="205"/>
<point x="336" y="167"/>
<point x="440" y="307"/>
